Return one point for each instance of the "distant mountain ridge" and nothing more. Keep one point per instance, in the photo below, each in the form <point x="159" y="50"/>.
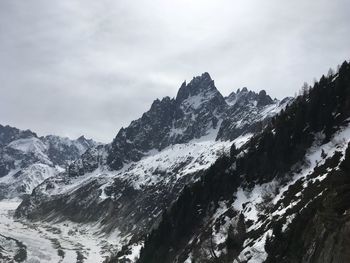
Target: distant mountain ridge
<point x="26" y="159"/>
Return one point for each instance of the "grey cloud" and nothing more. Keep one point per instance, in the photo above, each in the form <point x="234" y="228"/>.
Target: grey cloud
<point x="90" y="67"/>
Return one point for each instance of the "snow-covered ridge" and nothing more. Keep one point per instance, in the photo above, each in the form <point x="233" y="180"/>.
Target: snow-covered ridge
<point x="26" y="160"/>
<point x="163" y="167"/>
<point x="29" y="145"/>
<point x="175" y="161"/>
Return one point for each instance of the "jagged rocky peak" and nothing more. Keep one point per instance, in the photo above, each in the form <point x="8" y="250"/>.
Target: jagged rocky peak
<point x="61" y="149"/>
<point x="264" y="99"/>
<point x="86" y="142"/>
<point x="244" y="96"/>
<point x="158" y="104"/>
<point x="82" y="139"/>
<point x="198" y="110"/>
<point x="8" y="134"/>
<point x="200" y="87"/>
<point x="170" y="121"/>
<point x="231" y="99"/>
<point x="146" y="133"/>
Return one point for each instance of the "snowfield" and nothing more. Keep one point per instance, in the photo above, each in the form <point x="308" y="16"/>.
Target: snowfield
<point x="24" y="180"/>
<point x="185" y="159"/>
<point x="63" y="242"/>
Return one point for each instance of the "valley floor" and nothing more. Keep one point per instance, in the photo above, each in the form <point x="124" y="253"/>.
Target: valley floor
<point x="61" y="242"/>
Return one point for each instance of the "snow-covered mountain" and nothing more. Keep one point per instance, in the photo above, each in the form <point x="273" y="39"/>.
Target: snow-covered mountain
<point x="124" y="186"/>
<point x="198" y="110"/>
<point x="26" y="160"/>
<point x="202" y="178"/>
<point x="282" y="197"/>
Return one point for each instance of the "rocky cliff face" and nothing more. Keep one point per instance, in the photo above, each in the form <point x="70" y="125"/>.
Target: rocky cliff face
<point x="198" y="110"/>
<point x="248" y="112"/>
<point x="26" y="159"/>
<point x="125" y="185"/>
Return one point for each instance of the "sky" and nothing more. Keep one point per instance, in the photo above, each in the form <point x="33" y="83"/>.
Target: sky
<point x="74" y="67"/>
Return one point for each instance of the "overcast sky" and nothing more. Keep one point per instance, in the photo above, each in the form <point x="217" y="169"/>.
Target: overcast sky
<point x="89" y="67"/>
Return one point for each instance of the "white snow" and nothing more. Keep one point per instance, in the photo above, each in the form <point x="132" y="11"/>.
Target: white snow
<point x="184" y="158"/>
<point x="194" y="102"/>
<point x="253" y="198"/>
<point x="243" y="139"/>
<point x="27" y="179"/>
<point x="31" y="145"/>
<point x="135" y="252"/>
<point x="44" y="240"/>
<point x="270" y="193"/>
<point x="313" y="158"/>
<point x="188" y="260"/>
<point x="28" y="145"/>
<point x="255" y="253"/>
<point x="32" y="164"/>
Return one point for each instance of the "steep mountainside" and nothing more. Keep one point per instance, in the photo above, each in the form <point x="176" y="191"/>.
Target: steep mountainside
<point x="124" y="186"/>
<point x="281" y="197"/>
<point x="199" y="112"/>
<point x="26" y="160"/>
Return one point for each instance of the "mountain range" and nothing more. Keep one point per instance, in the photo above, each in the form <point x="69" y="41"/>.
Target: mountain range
<point x="125" y="185"/>
<point x="197" y="178"/>
<point x="26" y="159"/>
<point x="281" y="197"/>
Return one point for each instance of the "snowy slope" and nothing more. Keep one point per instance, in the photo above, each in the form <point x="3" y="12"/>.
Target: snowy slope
<point x="250" y="216"/>
<point x="26" y="160"/>
<point x="138" y="192"/>
<point x="265" y="203"/>
<point x="23" y="180"/>
<point x="63" y="242"/>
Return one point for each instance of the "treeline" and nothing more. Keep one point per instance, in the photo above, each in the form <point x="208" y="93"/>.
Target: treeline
<point x="269" y="154"/>
<point x="322" y="226"/>
<point x="284" y="142"/>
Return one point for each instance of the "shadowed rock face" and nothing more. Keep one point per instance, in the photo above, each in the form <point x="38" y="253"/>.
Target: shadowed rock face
<point x="326" y="237"/>
<point x="9" y="134"/>
<point x="248" y="112"/>
<point x="201" y="85"/>
<point x="197" y="108"/>
<point x="263" y="99"/>
<point x="320" y="233"/>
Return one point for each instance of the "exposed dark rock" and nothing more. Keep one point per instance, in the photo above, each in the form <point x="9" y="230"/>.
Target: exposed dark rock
<point x="197" y="108"/>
